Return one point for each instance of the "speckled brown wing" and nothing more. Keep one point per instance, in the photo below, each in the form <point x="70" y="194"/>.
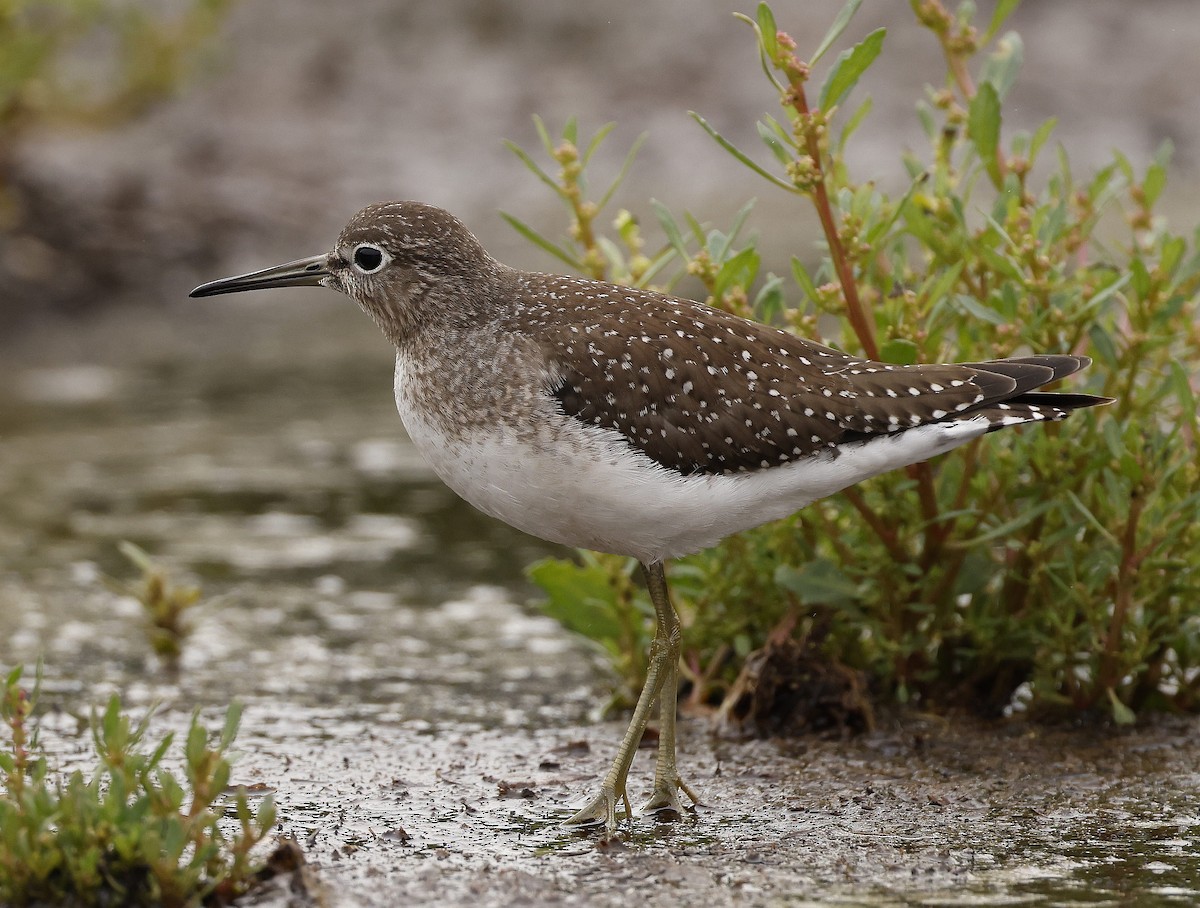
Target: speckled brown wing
<point x="701" y="391"/>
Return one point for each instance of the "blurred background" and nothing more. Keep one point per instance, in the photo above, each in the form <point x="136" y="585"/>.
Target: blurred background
<point x="223" y="135"/>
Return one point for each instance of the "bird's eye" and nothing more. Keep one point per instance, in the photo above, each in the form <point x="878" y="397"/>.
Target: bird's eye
<point x="368" y="259"/>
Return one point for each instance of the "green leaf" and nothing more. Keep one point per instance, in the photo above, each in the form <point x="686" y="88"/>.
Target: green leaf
<point x="767" y="64"/>
<point x="697" y="229"/>
<point x="660" y="261"/>
<point x="938" y="285"/>
<point x="171" y="789"/>
<point x="850" y="65"/>
<point x="1004" y="9"/>
<point x="266" y="813"/>
<point x="735" y="228"/>
<point x="544" y="135"/>
<point x="739" y="154"/>
<point x="540" y="241"/>
<point x="1111" y="433"/>
<point x="571" y="131"/>
<point x="1111" y="289"/>
<point x="581" y="597"/>
<point x="980" y="311"/>
<point x="667" y="221"/>
<point x="1052" y="227"/>
<point x="768" y="31"/>
<point x="1040" y="136"/>
<point x="600" y="136"/>
<point x="929" y="123"/>
<point x="803" y="280"/>
<point x="716" y="244"/>
<point x="1121" y="713"/>
<point x="111" y="724"/>
<point x="233" y="718"/>
<point x="855" y="120"/>
<point x="1173" y="250"/>
<point x="781" y="152"/>
<point x="738" y="271"/>
<point x="983" y="127"/>
<point x="219" y="778"/>
<point x="817" y="582"/>
<point x="881" y="229"/>
<point x="197" y="742"/>
<point x="612" y="252"/>
<point x="1141" y="277"/>
<point x="136" y="555"/>
<point x="533" y="167"/>
<point x="1164" y="153"/>
<point x="1023" y="518"/>
<point x="835" y="30"/>
<point x="1155" y="182"/>
<point x="1182" y="384"/>
<point x="621" y="174"/>
<point x="899" y="350"/>
<point x="783" y="134"/>
<point x="1003" y="65"/>
<point x="160" y="751"/>
<point x="1122" y="164"/>
<point x="769" y="303"/>
<point x="1103" y="346"/>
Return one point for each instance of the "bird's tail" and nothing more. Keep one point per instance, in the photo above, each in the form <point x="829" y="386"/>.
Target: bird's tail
<point x="1025" y="404"/>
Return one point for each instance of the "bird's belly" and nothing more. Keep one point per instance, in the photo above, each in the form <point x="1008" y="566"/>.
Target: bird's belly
<point x="581" y="492"/>
<point x="585" y="486"/>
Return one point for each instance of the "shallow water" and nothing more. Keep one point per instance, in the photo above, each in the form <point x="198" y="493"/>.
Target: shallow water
<point x="423" y="729"/>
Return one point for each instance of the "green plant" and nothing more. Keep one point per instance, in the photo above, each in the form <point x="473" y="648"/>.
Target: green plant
<point x="1053" y="569"/>
<point x="46" y="46"/>
<point x="130" y="832"/>
<point x="151" y="52"/>
<point x="164" y="603"/>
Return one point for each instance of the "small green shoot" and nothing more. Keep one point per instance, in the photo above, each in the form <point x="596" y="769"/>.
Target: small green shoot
<point x="165" y="604"/>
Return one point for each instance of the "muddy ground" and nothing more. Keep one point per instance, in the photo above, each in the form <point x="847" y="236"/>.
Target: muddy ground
<point x="926" y="813"/>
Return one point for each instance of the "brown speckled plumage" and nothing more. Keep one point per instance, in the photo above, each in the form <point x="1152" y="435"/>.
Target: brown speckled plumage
<point x="702" y="391"/>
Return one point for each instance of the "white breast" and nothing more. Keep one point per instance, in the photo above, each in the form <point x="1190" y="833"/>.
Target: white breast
<point x="586" y="487"/>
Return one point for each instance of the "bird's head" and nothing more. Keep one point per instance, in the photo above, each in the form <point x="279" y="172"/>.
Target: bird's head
<point x="402" y="262"/>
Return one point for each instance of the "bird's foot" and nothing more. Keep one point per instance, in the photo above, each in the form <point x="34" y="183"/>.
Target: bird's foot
<point x="665" y="796"/>
<point x="602" y="810"/>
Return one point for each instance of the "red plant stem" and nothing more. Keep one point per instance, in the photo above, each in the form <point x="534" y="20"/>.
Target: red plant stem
<point x="864" y="327"/>
<point x="958" y="69"/>
<point x="1123" y="592"/>
<point x="885" y="533"/>
<point x="860" y="321"/>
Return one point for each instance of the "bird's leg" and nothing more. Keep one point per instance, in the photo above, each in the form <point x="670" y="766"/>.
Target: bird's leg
<point x="667" y="782"/>
<point x="663" y="663"/>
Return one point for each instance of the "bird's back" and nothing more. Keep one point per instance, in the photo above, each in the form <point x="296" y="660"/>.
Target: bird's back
<point x="701" y="391"/>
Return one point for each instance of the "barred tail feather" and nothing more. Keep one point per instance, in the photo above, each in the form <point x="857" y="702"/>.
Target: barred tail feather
<point x="1036" y="407"/>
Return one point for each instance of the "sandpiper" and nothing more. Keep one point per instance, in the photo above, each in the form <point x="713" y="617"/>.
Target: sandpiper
<point x="626" y="421"/>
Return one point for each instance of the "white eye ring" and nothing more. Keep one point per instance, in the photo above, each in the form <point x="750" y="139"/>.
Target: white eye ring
<point x="368" y="258"/>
